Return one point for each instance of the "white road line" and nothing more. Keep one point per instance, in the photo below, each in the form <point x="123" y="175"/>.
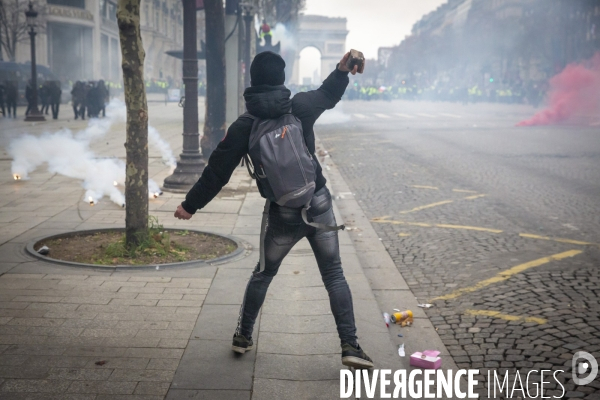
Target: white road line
<point x="383" y="116"/>
<point x="426" y="115"/>
<point x="450" y="115"/>
<point x="404" y="115"/>
<point x="360" y="116"/>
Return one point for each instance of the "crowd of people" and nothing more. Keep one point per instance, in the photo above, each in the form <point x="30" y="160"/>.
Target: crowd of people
<point x="516" y="93"/>
<point x="89" y="96"/>
<point x="8" y="98"/>
<point x="531" y="93"/>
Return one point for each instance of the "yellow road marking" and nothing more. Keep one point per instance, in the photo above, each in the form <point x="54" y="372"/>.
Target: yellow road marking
<point x="388" y="221"/>
<point x="427" y="206"/>
<point x="477" y="196"/>
<point x="561" y="240"/>
<point x="424" y="187"/>
<point x="464" y="191"/>
<point x="380" y="219"/>
<point x="471" y="228"/>
<point x="504" y="275"/>
<point x="507" y="317"/>
<point x="384" y="220"/>
<point x="402" y="234"/>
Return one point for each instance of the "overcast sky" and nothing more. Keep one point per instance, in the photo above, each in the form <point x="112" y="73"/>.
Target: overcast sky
<point x="372" y="23"/>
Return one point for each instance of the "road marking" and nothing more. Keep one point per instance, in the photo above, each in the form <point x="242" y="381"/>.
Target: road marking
<point x="451" y="115"/>
<point x="469" y="228"/>
<point x="507" y="317"/>
<point x="439" y="203"/>
<point x="383" y="116"/>
<point x="361" y="116"/>
<point x="464" y="191"/>
<point x="424" y="187"/>
<point x="504" y="275"/>
<point x="404" y="115"/>
<point x="402" y="234"/>
<point x="561" y="240"/>
<point x="384" y="220"/>
<point x="477" y="196"/>
<point x="426" y="115"/>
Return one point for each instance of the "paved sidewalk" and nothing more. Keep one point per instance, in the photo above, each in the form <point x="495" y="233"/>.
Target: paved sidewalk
<point x="68" y="333"/>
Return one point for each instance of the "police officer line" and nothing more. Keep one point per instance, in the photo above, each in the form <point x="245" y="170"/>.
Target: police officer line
<point x="361" y="116"/>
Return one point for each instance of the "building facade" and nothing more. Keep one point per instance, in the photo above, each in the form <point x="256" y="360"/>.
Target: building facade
<point x="498" y="41"/>
<point x="80" y="40"/>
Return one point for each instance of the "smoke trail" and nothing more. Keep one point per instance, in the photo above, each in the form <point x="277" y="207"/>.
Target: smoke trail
<point x="163" y="147"/>
<point x="575" y="92"/>
<point x="96" y="128"/>
<point x="69" y="154"/>
<point x="282" y="35"/>
<point x="153" y="189"/>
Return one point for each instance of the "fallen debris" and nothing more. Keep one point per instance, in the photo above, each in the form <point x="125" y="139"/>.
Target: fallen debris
<point x="428" y="359"/>
<point x="401" y="350"/>
<point x="44" y="250"/>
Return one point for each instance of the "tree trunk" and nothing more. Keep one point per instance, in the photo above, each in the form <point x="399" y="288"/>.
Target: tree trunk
<point x="214" y="123"/>
<point x="136" y="145"/>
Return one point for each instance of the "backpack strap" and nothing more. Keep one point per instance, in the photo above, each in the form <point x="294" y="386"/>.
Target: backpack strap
<point x="246" y="159"/>
<point x="328" y="228"/>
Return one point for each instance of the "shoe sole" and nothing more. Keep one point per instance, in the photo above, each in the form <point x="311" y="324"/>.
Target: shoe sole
<point x="356" y="362"/>
<point x="241" y="350"/>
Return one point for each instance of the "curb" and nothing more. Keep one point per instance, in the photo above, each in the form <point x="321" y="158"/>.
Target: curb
<point x="384" y="279"/>
<point x="243" y="250"/>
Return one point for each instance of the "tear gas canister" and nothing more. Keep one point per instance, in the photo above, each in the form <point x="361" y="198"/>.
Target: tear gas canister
<point x="403" y="318"/>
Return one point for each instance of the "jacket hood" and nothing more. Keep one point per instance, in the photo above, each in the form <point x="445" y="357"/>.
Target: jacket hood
<point x="268" y="102"/>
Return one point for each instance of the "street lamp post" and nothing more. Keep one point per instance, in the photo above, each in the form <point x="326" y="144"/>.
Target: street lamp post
<point x="190" y="164"/>
<point x="34" y="112"/>
<point x="248" y="12"/>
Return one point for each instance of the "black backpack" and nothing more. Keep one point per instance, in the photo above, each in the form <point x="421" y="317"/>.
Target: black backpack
<point x="284" y="169"/>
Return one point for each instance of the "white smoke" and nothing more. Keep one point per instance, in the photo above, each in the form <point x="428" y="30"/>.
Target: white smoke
<point x="335" y="116"/>
<point x="282" y="35"/>
<point x="97" y="128"/>
<point x="70" y="155"/>
<point x="163" y="147"/>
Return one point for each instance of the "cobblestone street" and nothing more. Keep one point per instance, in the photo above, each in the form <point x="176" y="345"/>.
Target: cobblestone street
<point x="497" y="226"/>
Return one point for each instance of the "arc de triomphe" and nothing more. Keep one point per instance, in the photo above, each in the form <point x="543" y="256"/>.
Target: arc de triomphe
<point x="328" y="35"/>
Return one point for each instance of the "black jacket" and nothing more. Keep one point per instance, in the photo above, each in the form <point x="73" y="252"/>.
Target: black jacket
<point x="265" y="102"/>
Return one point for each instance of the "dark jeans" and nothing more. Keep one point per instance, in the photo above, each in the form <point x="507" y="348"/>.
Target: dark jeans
<point x="284" y="228"/>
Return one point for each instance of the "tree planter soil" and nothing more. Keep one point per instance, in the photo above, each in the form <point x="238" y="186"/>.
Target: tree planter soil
<point x="94" y="248"/>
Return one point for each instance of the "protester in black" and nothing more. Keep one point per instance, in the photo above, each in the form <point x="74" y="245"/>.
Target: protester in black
<point x="268" y="98"/>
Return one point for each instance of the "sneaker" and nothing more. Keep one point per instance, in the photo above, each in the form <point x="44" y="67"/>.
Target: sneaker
<point x="241" y="344"/>
<point x="355" y="357"/>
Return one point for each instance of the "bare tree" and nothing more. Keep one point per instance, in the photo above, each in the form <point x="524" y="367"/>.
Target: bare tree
<point x="136" y="145"/>
<point x="280" y="11"/>
<point x="13" y="25"/>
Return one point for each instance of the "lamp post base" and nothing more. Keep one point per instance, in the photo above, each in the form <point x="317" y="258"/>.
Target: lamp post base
<point x="188" y="171"/>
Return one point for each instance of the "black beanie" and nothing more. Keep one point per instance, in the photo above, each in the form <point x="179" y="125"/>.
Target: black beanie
<point x="267" y="68"/>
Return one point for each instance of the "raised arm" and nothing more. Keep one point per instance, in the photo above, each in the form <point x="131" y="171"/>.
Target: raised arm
<point x="221" y="165"/>
<point x="309" y="106"/>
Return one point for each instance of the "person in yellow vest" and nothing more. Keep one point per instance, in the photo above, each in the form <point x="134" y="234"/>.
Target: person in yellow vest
<point x="265" y="32"/>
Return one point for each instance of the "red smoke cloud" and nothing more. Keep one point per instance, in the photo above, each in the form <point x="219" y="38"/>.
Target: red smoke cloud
<point x="574" y="92"/>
